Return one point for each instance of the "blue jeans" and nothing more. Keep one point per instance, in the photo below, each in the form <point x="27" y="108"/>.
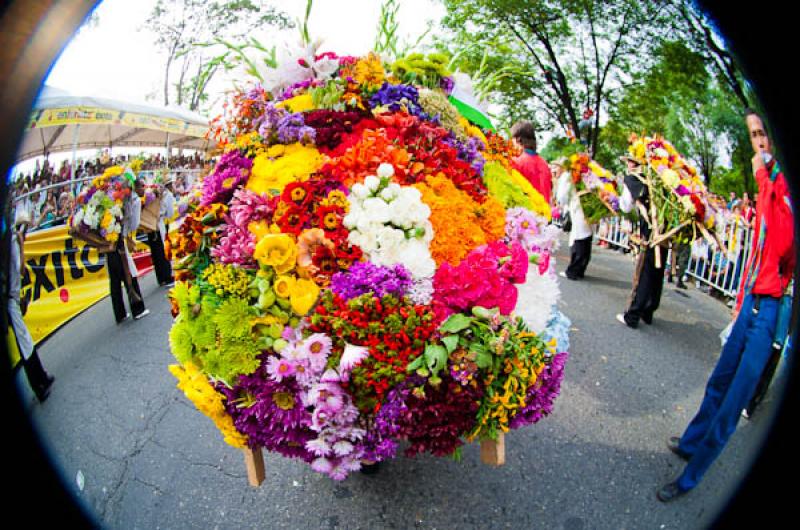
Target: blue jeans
<point x="730" y="387"/>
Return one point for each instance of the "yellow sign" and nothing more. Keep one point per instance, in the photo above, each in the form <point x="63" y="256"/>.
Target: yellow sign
<point x="70" y="115"/>
<point x="61" y="278"/>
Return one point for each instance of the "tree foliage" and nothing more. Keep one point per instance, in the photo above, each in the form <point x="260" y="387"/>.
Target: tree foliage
<point x="560" y="57"/>
<point x="183" y="26"/>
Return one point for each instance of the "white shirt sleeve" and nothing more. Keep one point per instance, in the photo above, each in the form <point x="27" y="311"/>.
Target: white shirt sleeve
<point x="626" y="200"/>
<point x="563" y="192"/>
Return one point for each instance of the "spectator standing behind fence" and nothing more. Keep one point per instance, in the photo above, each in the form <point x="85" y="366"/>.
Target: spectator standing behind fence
<point x="580" y="234"/>
<point x="648" y="280"/>
<point x="530" y="164"/>
<point x="748" y="348"/>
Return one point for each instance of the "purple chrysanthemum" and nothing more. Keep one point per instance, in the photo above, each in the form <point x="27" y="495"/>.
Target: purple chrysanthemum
<point x="232" y="170"/>
<point x="380" y="442"/>
<point x="271" y="414"/>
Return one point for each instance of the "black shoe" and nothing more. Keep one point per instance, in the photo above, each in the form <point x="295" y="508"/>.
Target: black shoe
<point x="669" y="492"/>
<point x="622" y="320"/>
<point x="647" y="320"/>
<point x="681" y="285"/>
<point x="669" y="279"/>
<point x="370" y="469"/>
<point x="674" y="445"/>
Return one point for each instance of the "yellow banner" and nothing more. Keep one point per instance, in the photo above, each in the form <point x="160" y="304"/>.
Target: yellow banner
<point x="62" y="277"/>
<point x="69" y="115"/>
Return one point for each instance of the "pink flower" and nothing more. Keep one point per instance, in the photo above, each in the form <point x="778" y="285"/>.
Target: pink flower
<point x="278" y="368"/>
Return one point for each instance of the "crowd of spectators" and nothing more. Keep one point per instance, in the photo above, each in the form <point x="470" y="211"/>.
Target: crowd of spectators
<point x="48" y="197"/>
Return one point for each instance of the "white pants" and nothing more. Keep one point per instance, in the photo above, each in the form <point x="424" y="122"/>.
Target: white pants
<point x="24" y="339"/>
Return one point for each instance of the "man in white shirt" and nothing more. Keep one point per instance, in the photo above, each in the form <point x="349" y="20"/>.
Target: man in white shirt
<point x="155" y="239"/>
<point x="580" y="235"/>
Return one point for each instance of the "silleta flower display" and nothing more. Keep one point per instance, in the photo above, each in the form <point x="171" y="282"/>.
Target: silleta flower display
<point x="348" y="274"/>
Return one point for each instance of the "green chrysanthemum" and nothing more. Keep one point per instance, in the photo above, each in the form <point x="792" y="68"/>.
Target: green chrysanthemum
<point x="233" y="319"/>
<point x="180" y="340"/>
<point x="502" y="188"/>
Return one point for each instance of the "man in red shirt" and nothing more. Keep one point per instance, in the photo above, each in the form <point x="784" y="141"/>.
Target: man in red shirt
<point x="749" y="346"/>
<point x="532" y="166"/>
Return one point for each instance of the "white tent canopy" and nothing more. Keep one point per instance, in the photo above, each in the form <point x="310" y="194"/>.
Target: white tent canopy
<point x="61" y="121"/>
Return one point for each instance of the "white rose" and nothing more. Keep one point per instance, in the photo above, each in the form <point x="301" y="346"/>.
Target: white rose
<point x="389" y="237"/>
<point x="385" y="170"/>
<point x="416" y="257"/>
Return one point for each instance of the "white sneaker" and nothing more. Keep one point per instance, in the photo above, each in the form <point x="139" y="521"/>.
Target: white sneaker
<point x="621" y="318"/>
<point x="745" y="415"/>
<point x="142" y="314"/>
<point x="562" y="274"/>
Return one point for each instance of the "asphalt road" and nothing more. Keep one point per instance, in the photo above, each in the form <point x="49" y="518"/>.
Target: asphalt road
<point x="148" y="459"/>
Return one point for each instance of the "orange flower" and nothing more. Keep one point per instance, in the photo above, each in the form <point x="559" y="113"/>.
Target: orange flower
<point x="460" y="224"/>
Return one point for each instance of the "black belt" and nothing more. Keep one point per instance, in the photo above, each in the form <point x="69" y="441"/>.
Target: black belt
<point x="758" y="298"/>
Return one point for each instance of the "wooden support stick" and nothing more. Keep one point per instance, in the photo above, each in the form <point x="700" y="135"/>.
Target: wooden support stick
<point x="254" y="462"/>
<point x="493" y="452"/>
<point x="671" y="233"/>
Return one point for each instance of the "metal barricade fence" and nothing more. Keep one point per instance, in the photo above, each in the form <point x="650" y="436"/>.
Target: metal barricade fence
<point x="722" y="270"/>
<point x="615" y="231"/>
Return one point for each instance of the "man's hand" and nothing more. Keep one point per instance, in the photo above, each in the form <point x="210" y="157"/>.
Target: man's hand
<point x="758" y="163"/>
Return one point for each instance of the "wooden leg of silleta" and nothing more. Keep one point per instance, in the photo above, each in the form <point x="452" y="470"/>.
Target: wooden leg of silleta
<point x="493" y="452"/>
<point x="254" y="462"/>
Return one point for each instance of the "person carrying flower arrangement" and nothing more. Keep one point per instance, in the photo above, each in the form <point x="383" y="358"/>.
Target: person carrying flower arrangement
<point x="532" y="166"/>
<point x="121" y="268"/>
<point x="756" y="329"/>
<point x="648" y="279"/>
<point x="580" y="235"/>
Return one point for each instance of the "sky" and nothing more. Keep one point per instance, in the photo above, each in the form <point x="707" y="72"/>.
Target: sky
<point x="118" y="58"/>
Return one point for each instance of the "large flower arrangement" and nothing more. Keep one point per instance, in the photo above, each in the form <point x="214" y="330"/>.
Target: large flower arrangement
<point x="596" y="187"/>
<point x="99" y="207"/>
<point x="679" y="199"/>
<point x="348" y="274"/>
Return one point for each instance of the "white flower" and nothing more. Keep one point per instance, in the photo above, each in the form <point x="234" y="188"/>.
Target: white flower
<point x="388" y="194"/>
<point x="376" y="210"/>
<point x="390" y="238"/>
<point x="416" y="257"/>
<point x="359" y="190"/>
<point x="372" y="182"/>
<point x="351" y="356"/>
<point x="385" y="170"/>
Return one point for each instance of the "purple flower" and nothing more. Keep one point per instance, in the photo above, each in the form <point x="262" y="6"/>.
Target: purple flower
<point x="270" y="413"/>
<point x="365" y="277"/>
<point x="232" y="170"/>
<point x="469" y="151"/>
<point x="380" y="442"/>
<point x="540" y="398"/>
<point x="277" y="125"/>
<point x="447" y="85"/>
<point x="682" y="190"/>
<point x="397" y="97"/>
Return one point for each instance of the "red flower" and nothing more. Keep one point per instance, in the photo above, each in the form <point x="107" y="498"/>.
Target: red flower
<point x="699" y="207"/>
<point x="297" y="193"/>
<point x="294" y="221"/>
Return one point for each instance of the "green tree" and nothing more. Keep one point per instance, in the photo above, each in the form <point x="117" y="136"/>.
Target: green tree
<point x="557" y="57"/>
<point x="181" y="26"/>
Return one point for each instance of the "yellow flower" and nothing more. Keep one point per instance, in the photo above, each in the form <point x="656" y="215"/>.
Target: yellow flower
<point x="278" y="251"/>
<point x="538" y="203"/>
<point x="670" y="178"/>
<point x="284" y="285"/>
<point x="282" y="164"/>
<point x="301" y="103"/>
<point x="199" y="391"/>
<point x="369" y="71"/>
<point x="303" y="295"/>
<point x="107" y="219"/>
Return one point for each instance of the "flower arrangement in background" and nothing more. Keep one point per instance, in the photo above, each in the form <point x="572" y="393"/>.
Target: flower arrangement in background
<point x="680" y="201"/>
<point x="596" y="187"/>
<point x="99" y="207"/>
<point x="348" y="273"/>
